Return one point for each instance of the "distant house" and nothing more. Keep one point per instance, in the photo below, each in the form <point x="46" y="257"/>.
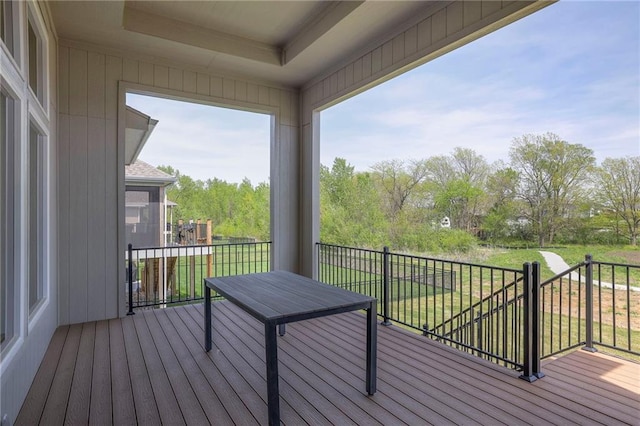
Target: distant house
<point x="146" y="205"/>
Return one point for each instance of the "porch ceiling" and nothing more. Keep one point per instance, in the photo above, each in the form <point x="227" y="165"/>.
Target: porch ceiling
<point x="287" y="42"/>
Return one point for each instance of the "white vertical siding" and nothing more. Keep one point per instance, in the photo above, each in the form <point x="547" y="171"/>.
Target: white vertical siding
<point x="89" y="81"/>
<point x="78" y="212"/>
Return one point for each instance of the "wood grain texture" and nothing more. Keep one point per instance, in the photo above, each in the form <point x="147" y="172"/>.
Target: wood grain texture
<point x="321" y="367"/>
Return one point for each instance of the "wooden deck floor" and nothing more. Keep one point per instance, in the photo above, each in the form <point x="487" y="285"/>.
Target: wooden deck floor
<point x="151" y="368"/>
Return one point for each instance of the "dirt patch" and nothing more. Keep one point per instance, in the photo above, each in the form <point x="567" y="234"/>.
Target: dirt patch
<point x="632" y="257"/>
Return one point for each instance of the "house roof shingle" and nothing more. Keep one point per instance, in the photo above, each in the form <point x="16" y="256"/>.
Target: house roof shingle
<point x="139" y="172"/>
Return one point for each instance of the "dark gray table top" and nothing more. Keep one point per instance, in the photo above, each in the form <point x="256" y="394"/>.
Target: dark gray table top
<point x="281" y="297"/>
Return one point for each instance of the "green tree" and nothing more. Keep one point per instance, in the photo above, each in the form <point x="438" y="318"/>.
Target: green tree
<point x="552" y="175"/>
<point x="501" y="190"/>
<point x="457" y="186"/>
<point x="239" y="210"/>
<point x="350" y="212"/>
<point x="618" y="190"/>
<point x="398" y="181"/>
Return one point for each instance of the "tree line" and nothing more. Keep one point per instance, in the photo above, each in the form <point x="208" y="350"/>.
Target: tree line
<point x="235" y="209"/>
<point x="549" y="192"/>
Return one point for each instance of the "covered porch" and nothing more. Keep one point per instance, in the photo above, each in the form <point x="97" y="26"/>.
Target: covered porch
<point x="151" y="368"/>
<point x="68" y="354"/>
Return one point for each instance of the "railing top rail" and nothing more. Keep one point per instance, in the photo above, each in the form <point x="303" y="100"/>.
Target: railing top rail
<point x="622" y="265"/>
<point x="350" y="248"/>
<point x="563" y="274"/>
<point x="411" y="256"/>
<point x="475" y="265"/>
<point x="202" y="245"/>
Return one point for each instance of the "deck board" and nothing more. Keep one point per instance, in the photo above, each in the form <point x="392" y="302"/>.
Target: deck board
<point x="235" y="408"/>
<point x="80" y="397"/>
<point x="37" y="396"/>
<point x="151" y="368"/>
<point x="100" y="409"/>
<point x="205" y="396"/>
<point x="184" y="393"/>
<point x="55" y="408"/>
<point x="144" y="400"/>
<point x="123" y="411"/>
<point x="167" y="404"/>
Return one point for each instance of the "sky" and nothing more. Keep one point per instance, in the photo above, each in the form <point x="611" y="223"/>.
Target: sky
<point x="572" y="69"/>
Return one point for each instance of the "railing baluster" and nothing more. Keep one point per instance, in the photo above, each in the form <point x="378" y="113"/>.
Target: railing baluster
<point x="589" y="304"/>
<point x="130" y="274"/>
<point x="385" y="284"/>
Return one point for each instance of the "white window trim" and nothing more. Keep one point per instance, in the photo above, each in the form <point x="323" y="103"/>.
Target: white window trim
<point x="43" y="130"/>
<point x="34" y="17"/>
<point x="29" y="109"/>
<point x="16" y="57"/>
<point x="18" y="313"/>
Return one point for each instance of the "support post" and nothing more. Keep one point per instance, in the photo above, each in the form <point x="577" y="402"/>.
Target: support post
<point x="535" y="320"/>
<point x="386" y="296"/>
<point x="527" y="371"/>
<point x="209" y="248"/>
<point x="588" y="260"/>
<point x="130" y="275"/>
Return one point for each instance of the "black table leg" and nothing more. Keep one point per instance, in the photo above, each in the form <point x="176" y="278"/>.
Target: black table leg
<point x="282" y="330"/>
<point x="207" y="318"/>
<point x="273" y="394"/>
<point x="372" y="343"/>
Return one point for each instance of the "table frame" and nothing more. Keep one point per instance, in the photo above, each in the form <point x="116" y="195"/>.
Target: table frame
<point x="248" y="293"/>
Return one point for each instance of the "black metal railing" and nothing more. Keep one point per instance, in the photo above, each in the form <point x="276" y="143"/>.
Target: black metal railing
<point x="159" y="276"/>
<point x="593" y="303"/>
<point x="477" y="308"/>
<point x="505" y="315"/>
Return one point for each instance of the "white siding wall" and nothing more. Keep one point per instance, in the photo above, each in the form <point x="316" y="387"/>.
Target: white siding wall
<point x="91" y="177"/>
<point x="442" y="27"/>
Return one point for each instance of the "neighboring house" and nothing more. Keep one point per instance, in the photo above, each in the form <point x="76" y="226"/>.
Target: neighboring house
<point x="146" y="205"/>
<point x="65" y="70"/>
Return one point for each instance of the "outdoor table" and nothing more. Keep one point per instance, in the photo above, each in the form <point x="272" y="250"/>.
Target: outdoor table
<point x="278" y="297"/>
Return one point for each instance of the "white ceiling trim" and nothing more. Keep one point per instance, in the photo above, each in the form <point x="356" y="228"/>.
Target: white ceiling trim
<point x="333" y="14"/>
<point x="185" y="33"/>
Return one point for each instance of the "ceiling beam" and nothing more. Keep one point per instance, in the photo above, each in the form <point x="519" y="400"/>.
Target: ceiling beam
<point x="331" y="15"/>
<point x="215" y="41"/>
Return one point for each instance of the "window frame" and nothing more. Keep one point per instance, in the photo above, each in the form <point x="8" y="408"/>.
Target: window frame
<point x="36" y="122"/>
<point x="10" y="268"/>
<point x="11" y="45"/>
<point x="35" y="23"/>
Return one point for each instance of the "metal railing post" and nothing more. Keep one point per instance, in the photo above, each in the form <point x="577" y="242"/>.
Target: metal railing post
<point x="535" y="320"/>
<point x="527" y="371"/>
<point x="588" y="259"/>
<point x="130" y="272"/>
<point x="385" y="284"/>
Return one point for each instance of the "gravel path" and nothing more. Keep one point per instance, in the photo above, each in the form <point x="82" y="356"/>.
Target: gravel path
<point x="558" y="265"/>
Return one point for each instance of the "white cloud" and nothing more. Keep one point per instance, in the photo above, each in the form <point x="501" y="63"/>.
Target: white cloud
<point x="570" y="69"/>
<point x="206" y="142"/>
